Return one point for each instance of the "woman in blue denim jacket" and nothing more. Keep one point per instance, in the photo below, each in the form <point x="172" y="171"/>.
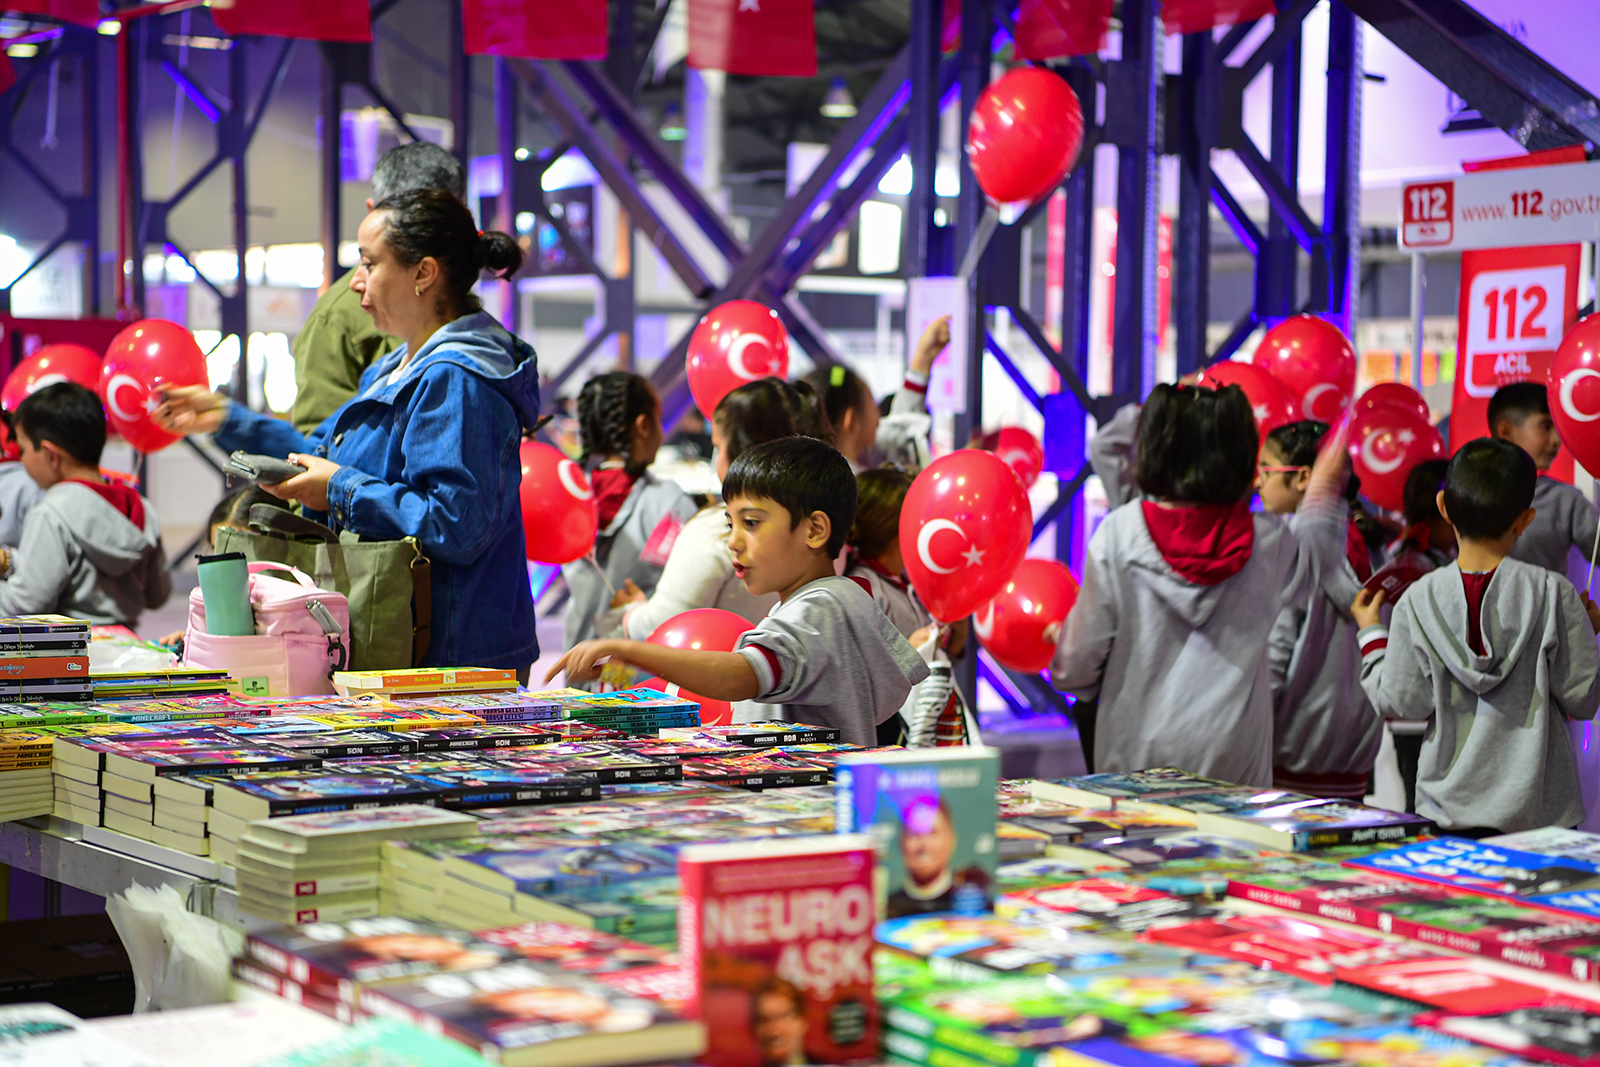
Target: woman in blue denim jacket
<point x="427" y="448"/>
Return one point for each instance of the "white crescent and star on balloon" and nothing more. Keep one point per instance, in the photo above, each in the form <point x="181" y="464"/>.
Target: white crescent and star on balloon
<point x="1308" y="403"/>
<point x="1569" y="403"/>
<point x="973" y="555"/>
<point x="1384" y="466"/>
<point x="572" y="480"/>
<point x="736" y="349"/>
<point x="114" y="388"/>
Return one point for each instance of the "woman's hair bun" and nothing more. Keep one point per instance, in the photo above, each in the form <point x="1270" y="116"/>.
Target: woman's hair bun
<point x="499" y="253"/>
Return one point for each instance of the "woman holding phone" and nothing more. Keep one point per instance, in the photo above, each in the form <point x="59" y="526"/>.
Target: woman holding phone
<point x="427" y="448"/>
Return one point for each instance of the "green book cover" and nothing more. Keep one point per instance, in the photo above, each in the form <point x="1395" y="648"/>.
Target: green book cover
<point x="382" y="1043"/>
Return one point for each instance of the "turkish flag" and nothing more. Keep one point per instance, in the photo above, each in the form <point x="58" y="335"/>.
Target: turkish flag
<point x="535" y="29"/>
<point x="8" y="76"/>
<point x="1050" y="29"/>
<point x="765" y="37"/>
<point x="1198" y="16"/>
<point x="82" y="12"/>
<point x="314" y="20"/>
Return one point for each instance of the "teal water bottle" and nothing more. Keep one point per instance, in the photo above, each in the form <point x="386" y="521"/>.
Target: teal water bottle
<point x="225" y="589"/>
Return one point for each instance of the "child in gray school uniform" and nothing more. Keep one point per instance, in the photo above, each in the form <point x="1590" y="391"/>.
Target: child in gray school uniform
<point x="1563" y="518"/>
<point x="1181" y="590"/>
<point x="1499" y="653"/>
<point x="826" y="654"/>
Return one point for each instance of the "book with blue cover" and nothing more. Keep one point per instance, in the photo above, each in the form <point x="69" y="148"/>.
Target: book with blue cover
<point x="1561" y="882"/>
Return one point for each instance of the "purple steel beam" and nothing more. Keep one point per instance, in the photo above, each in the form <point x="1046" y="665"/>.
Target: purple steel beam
<point x="1243" y="226"/>
<point x="1025" y="387"/>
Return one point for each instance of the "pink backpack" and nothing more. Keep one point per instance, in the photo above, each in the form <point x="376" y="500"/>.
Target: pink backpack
<point x="302" y="636"/>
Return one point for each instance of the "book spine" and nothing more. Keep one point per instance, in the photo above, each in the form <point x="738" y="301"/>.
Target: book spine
<point x="1311" y="902"/>
<point x="693" y="880"/>
<point x="12" y="668"/>
<point x="1306" y="840"/>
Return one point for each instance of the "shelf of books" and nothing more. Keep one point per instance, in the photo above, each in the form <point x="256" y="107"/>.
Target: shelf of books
<point x="472" y="873"/>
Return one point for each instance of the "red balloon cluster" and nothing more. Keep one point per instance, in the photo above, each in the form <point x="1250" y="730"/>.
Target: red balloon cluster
<point x="736" y="343"/>
<point x="703" y="630"/>
<point x="1269" y="400"/>
<point x="1574" y="385"/>
<point x="1020" y="450"/>
<point x="964" y="527"/>
<point x="559" y="516"/>
<point x="50" y="364"/>
<point x="1396" y="394"/>
<point x="1386" y="442"/>
<point x="144" y="360"/>
<point x="1012" y="626"/>
<point x="1316" y="364"/>
<point x="1024" y="136"/>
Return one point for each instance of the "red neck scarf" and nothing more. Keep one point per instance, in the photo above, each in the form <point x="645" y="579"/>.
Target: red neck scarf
<point x="1204" y="543"/>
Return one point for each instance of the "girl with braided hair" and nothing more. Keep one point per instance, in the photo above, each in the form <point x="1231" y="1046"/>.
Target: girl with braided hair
<point x="619" y="424"/>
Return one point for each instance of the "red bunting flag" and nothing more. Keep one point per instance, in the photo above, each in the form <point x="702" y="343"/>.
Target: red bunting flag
<point x="535" y="29"/>
<point x="764" y="37"/>
<point x="1201" y="16"/>
<point x="1050" y="29"/>
<point x="314" y="20"/>
<point x="82" y="12"/>
<point x="8" y="76"/>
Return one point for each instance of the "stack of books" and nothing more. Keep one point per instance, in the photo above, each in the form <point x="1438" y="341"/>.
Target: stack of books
<point x="325" y="867"/>
<point x="44" y="657"/>
<point x="388" y="716"/>
<point x="632" y="711"/>
<point x="499" y="706"/>
<point x="169" y="709"/>
<point x="420" y="682"/>
<point x="161" y="684"/>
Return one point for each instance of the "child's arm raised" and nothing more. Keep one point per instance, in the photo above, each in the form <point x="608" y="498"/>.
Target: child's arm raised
<point x="717" y="675"/>
<point x="1320" y="524"/>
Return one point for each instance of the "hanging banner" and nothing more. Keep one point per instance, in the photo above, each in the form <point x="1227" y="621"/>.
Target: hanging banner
<point x="1516" y="305"/>
<point x="1502" y="208"/>
<point x="1203" y="16"/>
<point x="349" y="21"/>
<point x="757" y="37"/>
<point x="535" y="29"/>
<point x="8" y="74"/>
<point x="81" y="12"/>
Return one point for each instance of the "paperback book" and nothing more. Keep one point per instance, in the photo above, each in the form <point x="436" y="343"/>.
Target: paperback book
<point x="1309" y="951"/>
<point x="1302" y="824"/>
<point x="1566" y="1034"/>
<point x="1106" y="790"/>
<point x="959" y="948"/>
<point x="1478" y="867"/>
<point x="316" y="791"/>
<point x="1100" y="905"/>
<point x="485" y="786"/>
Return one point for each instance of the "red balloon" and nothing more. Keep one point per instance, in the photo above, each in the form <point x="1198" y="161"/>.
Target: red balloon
<point x="702" y="630"/>
<point x="1020" y="450"/>
<point x="1393" y="394"/>
<point x="1024" y="136"/>
<point x="1386" y="442"/>
<point x="964" y="527"/>
<point x="1316" y="364"/>
<point x="144" y="359"/>
<point x="1574" y="385"/>
<point x="1269" y="400"/>
<point x="559" y="516"/>
<point x="736" y="343"/>
<point x="50" y="364"/>
<point x="1012" y="625"/>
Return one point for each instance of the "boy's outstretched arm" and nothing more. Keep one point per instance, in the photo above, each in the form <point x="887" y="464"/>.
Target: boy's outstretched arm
<point x="718" y="675"/>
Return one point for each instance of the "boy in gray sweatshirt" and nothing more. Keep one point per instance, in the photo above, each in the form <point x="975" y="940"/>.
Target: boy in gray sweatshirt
<point x="1564" y="519"/>
<point x="89" y="549"/>
<point x="1499" y="653"/>
<point x="827" y="654"/>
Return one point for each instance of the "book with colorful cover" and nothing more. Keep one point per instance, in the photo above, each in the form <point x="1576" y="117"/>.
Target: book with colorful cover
<point x="1308" y="950"/>
<point x="310" y="792"/>
<point x="149" y="764"/>
<point x="493" y="736"/>
<point x="517" y="1015"/>
<point x="272" y="727"/>
<point x="1100" y="904"/>
<point x="391" y="718"/>
<point x="345" y="744"/>
<point x="611" y="766"/>
<point x="1108" y="789"/>
<point x="1478" y="867"/>
<point x="1554" y="841"/>
<point x="1567" y="1034"/>
<point x="369" y="826"/>
<point x="43" y="666"/>
<point x="576" y="949"/>
<point x="514" y="706"/>
<point x="1301" y="824"/>
<point x="517" y="865"/>
<point x="760" y="769"/>
<point x="178" y="708"/>
<point x="759" y="734"/>
<point x="764" y="984"/>
<point x="23" y="625"/>
<point x="487" y="786"/>
<point x="1466" y="985"/>
<point x="438" y="679"/>
<point x="932" y="812"/>
<point x="50" y="713"/>
<point x="966" y="948"/>
<point x="381" y="1043"/>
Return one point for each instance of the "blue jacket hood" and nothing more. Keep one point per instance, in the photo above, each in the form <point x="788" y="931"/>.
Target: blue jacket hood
<point x="476" y="343"/>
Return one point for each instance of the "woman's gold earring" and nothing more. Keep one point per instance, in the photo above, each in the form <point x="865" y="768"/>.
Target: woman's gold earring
<point x="419" y="290"/>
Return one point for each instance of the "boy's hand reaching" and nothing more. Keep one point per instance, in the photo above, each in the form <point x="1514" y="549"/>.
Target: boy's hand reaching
<point x="1368" y="606"/>
<point x="1593" y="610"/>
<point x="933" y="341"/>
<point x="630" y="593"/>
<point x="582" y="661"/>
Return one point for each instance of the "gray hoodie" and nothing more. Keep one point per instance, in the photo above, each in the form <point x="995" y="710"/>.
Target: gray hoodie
<point x="1498" y="753"/>
<point x="1565" y="520"/>
<point x="80" y="556"/>
<point x="1181" y="669"/>
<point x="18" y="494"/>
<point x="1323" y="724"/>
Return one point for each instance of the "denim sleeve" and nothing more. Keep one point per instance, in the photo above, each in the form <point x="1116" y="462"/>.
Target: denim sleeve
<point x="251" y="431"/>
<point x="458" y="436"/>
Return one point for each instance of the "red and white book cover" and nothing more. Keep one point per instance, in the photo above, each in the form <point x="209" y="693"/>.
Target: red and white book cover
<point x="776" y="936"/>
<point x="1462" y="985"/>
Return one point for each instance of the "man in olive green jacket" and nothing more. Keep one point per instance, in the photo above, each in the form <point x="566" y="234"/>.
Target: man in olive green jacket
<point x="338" y="340"/>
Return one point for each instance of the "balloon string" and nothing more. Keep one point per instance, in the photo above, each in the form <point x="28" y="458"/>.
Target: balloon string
<point x="590" y="556"/>
<point x="1588" y="586"/>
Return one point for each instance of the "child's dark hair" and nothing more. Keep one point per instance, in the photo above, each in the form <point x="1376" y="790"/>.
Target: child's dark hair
<point x="69" y="416"/>
<point x="1515" y="402"/>
<point x="1489" y="484"/>
<point x="1422" y="491"/>
<point x="802" y="475"/>
<point x="840" y="391"/>
<point x="1296" y="443"/>
<point x="234" y="509"/>
<point x="879" y="497"/>
<point x="762" y="410"/>
<point x="608" y="404"/>
<point x="1196" y="445"/>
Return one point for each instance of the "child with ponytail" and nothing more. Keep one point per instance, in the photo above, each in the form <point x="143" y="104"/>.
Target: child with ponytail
<point x="619" y="424"/>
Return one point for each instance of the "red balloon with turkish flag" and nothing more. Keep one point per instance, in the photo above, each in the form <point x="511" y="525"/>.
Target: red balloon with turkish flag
<point x="559" y="515"/>
<point x="964" y="527"/>
<point x="1270" y="401"/>
<point x="736" y="343"/>
<point x="1315" y="362"/>
<point x="1386" y="442"/>
<point x="50" y="364"/>
<point x="1024" y="135"/>
<point x="1012" y="626"/>
<point x="1020" y="450"/>
<point x="144" y="360"/>
<point x="1396" y="394"/>
<point x="701" y="630"/>
<point x="1574" y="385"/>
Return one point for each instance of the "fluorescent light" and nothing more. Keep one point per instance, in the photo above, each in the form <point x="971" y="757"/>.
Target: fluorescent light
<point x="521" y="155"/>
<point x="22" y="51"/>
<point x="897" y="180"/>
<point x="672" y="127"/>
<point x="109" y="27"/>
<point x="878" y="251"/>
<point x="838" y="104"/>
